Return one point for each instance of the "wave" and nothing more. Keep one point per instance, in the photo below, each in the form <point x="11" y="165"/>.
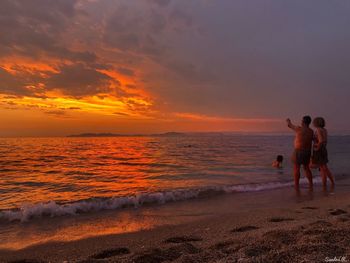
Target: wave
<point x="53" y="209"/>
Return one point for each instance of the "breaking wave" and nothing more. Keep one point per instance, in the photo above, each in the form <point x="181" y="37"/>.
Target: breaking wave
<point x="53" y="209"/>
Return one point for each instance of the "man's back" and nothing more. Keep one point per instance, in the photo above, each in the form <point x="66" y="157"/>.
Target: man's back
<point x="303" y="138"/>
<point x="302" y="153"/>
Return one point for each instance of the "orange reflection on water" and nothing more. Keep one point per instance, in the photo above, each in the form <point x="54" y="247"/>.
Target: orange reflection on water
<point x="72" y="169"/>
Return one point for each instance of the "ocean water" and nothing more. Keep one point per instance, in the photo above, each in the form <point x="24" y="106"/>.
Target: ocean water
<point x="51" y="177"/>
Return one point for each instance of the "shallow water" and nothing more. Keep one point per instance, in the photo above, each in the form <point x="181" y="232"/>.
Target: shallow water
<point x="59" y="176"/>
<point x="17" y="235"/>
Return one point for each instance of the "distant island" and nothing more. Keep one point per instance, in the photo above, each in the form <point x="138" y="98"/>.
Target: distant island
<point x="167" y="134"/>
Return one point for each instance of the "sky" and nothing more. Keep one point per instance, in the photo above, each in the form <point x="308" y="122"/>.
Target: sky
<point x="149" y="66"/>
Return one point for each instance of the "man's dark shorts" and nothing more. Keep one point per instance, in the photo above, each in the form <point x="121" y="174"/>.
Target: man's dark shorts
<point x="301" y="157"/>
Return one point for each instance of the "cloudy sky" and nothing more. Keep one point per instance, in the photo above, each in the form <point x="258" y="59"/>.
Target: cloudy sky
<point x="140" y="66"/>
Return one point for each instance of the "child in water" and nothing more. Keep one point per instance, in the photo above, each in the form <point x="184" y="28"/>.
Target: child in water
<point x="278" y="162"/>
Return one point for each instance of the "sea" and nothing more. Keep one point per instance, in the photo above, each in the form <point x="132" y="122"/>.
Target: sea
<point x="52" y="177"/>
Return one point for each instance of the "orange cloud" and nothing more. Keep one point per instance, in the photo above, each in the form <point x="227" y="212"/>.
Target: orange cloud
<point x="28" y="81"/>
<point x="94" y="104"/>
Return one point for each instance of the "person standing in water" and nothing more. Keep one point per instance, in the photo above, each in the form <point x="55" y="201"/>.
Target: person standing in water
<point x="302" y="149"/>
<point x="320" y="154"/>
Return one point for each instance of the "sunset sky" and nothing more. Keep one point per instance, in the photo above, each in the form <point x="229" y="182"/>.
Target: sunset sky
<point x="147" y="66"/>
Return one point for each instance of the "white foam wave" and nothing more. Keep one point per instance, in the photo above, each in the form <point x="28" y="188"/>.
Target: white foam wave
<point x="53" y="209"/>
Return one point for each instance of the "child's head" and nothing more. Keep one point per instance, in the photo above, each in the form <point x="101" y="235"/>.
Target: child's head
<point x="279" y="158"/>
<point x="319" y="122"/>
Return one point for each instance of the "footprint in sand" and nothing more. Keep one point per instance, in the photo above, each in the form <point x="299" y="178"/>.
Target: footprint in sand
<point x="183" y="239"/>
<point x="343" y="219"/>
<point x="169" y="254"/>
<point x="280" y="219"/>
<point x="111" y="253"/>
<point x="309" y="208"/>
<point x="321" y="223"/>
<point x="244" y="229"/>
<point x="228" y="246"/>
<point x="284" y="237"/>
<point x="223" y="244"/>
<point x="336" y="212"/>
<point x="257" y="250"/>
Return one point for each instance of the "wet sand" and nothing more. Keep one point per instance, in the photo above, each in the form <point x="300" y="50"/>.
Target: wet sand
<point x="274" y="226"/>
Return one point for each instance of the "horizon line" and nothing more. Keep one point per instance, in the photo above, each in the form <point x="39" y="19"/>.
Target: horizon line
<point x="112" y="134"/>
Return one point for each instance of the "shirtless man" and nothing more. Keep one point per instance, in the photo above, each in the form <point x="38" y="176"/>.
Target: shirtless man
<point x="302" y="149"/>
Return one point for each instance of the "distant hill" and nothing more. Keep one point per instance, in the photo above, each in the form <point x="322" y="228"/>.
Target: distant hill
<point x="84" y="135"/>
<point x="95" y="135"/>
<point x="170" y="134"/>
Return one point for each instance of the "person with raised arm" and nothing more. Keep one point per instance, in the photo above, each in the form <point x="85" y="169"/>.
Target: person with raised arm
<point x="302" y="149"/>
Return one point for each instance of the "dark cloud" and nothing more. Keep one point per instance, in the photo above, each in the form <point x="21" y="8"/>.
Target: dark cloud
<point x="126" y="71"/>
<point x="121" y="114"/>
<point x="131" y="86"/>
<point x="9" y="84"/>
<point x="79" y="80"/>
<point x="22" y="83"/>
<point x="11" y="103"/>
<point x="74" y="80"/>
<point x="138" y="30"/>
<point x="57" y="113"/>
<point x="10" y="97"/>
<point x="35" y="29"/>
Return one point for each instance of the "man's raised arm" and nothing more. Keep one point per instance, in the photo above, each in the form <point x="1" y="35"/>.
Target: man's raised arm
<point x="291" y="125"/>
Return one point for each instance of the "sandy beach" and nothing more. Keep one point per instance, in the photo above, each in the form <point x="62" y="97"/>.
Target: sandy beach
<point x="273" y="226"/>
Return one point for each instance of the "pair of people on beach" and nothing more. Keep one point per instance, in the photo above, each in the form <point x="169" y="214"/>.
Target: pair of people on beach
<point x="310" y="147"/>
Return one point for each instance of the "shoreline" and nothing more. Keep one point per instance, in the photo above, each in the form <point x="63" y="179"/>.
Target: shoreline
<point x="93" y="205"/>
<point x="232" y="227"/>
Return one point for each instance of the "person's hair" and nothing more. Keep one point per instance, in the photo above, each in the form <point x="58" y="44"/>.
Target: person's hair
<point x="307" y="120"/>
<point x="279" y="158"/>
<point x="319" y="122"/>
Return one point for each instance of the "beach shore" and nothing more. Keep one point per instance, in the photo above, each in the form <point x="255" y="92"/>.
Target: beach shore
<point x="273" y="226"/>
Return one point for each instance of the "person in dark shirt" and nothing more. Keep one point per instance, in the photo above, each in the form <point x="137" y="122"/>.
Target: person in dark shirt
<point x="320" y="153"/>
